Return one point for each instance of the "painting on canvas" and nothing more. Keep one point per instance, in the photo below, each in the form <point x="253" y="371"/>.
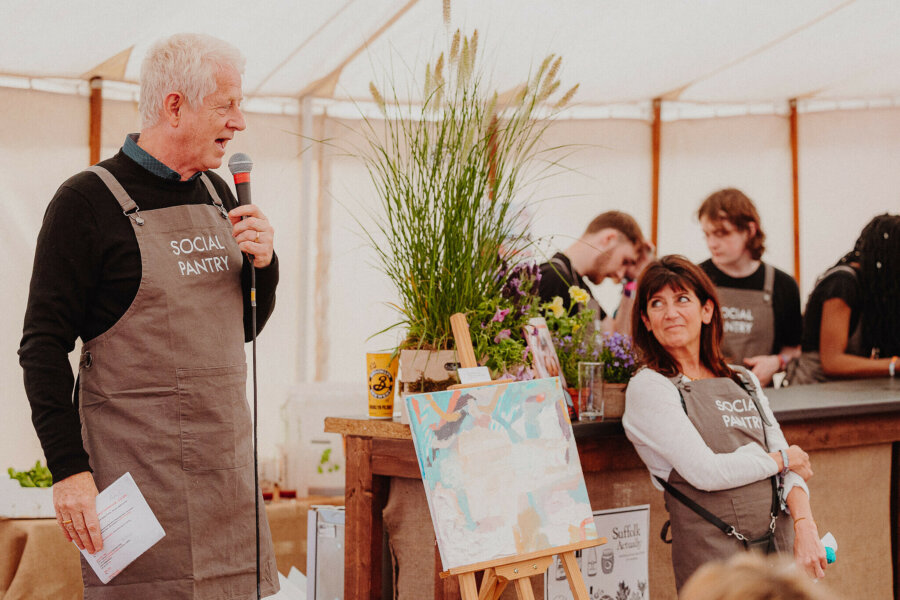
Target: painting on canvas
<point x="501" y="470"/>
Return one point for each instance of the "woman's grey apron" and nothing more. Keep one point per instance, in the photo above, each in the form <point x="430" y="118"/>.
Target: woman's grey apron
<point x="727" y="418"/>
<point x="594" y="327"/>
<point x="748" y="319"/>
<point x="807" y="368"/>
<point x="163" y="396"/>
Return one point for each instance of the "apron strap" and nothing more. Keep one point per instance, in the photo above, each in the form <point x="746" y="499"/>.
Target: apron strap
<point x="838" y="269"/>
<point x="215" y="195"/>
<point x="562" y="264"/>
<point x="747" y="383"/>
<point x="719" y="523"/>
<point x="678" y="382"/>
<point x="115" y="187"/>
<point x="577" y="281"/>
<point x="129" y="207"/>
<point x="769" y="283"/>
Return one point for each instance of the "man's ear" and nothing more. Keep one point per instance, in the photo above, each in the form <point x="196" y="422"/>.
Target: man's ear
<point x="607" y="238"/>
<point x="173" y="104"/>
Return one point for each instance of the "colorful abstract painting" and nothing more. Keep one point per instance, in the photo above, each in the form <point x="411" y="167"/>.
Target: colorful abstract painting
<point x="501" y="470"/>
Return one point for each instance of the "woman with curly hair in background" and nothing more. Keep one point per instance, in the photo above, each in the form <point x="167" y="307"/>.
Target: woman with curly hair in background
<point x="852" y="323"/>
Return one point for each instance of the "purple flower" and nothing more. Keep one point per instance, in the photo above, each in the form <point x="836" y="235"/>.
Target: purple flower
<point x="503" y="335"/>
<point x="524" y="373"/>
<point x="500" y="315"/>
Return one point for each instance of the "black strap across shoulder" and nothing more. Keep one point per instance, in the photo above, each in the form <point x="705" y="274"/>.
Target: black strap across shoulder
<point x="722" y="525"/>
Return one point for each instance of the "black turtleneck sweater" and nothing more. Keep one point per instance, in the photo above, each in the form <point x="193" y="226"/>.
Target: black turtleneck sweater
<point x="87" y="270"/>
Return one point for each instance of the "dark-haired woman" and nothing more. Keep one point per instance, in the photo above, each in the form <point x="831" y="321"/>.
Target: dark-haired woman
<point x="852" y="323"/>
<point x="706" y="432"/>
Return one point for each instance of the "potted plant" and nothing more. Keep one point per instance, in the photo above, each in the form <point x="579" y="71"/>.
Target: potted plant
<point x="446" y="176"/>
<point x="568" y="328"/>
<point x="619" y="364"/>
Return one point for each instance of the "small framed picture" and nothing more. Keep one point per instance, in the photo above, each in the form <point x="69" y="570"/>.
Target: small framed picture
<point x="546" y="363"/>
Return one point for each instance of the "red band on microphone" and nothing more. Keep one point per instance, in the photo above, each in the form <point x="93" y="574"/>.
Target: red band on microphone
<point x="241" y="178"/>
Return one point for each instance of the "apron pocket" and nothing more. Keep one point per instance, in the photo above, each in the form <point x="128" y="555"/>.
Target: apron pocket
<point x="216" y="431"/>
<point x="754" y="510"/>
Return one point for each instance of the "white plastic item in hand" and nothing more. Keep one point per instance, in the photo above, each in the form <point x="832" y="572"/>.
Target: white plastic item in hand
<point x="831" y="547"/>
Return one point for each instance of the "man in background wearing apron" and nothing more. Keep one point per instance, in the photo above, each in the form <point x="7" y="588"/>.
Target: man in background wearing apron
<point x="141" y="258"/>
<point x="760" y="304"/>
<point x="611" y="246"/>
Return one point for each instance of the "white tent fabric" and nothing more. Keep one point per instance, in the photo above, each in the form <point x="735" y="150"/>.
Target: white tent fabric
<point x="706" y="59"/>
<point x="728" y="51"/>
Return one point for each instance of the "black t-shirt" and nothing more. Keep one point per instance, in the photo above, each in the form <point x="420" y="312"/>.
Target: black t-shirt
<point x="87" y="270"/>
<point x="556" y="281"/>
<point x="842" y="284"/>
<point x="785" y="300"/>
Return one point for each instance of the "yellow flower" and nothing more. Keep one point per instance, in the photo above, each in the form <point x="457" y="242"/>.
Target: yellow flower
<point x="578" y="295"/>
<point x="556" y="307"/>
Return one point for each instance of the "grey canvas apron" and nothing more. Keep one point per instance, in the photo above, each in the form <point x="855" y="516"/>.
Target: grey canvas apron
<point x="596" y="325"/>
<point x="749" y="320"/>
<point x="727" y="418"/>
<point x="162" y="395"/>
<point x="807" y="368"/>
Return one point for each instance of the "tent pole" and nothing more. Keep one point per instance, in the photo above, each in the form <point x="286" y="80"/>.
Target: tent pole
<point x="796" y="187"/>
<point x="657" y="133"/>
<point x="95" y="118"/>
<point x="304" y="246"/>
<point x="323" y="250"/>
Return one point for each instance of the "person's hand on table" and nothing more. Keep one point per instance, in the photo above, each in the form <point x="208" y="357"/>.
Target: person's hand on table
<point x="253" y="233"/>
<point x="809" y="552"/>
<point x="75" y="501"/>
<point x="764" y="366"/>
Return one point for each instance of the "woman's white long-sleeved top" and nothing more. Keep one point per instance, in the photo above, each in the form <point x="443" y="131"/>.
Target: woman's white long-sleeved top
<point x="666" y="439"/>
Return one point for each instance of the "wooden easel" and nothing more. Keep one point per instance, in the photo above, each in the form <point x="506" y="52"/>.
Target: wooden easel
<point x="518" y="568"/>
<point x="464" y="350"/>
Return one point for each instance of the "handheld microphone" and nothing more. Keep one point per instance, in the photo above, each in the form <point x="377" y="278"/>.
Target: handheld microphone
<point x="240" y="166"/>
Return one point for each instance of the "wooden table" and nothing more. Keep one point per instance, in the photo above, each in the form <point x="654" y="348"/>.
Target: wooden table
<point x="851" y="430"/>
<point x="36" y="563"/>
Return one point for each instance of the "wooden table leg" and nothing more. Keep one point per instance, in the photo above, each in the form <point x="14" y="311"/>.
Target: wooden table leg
<point x="366" y="496"/>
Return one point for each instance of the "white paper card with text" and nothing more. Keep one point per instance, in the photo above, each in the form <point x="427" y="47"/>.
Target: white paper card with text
<point x="128" y="527"/>
<point x="474" y="375"/>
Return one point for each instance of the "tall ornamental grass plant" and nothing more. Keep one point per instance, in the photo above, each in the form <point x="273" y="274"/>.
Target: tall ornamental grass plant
<point x="447" y="175"/>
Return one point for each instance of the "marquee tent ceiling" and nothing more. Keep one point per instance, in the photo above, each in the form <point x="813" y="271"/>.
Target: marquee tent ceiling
<point x="620" y="52"/>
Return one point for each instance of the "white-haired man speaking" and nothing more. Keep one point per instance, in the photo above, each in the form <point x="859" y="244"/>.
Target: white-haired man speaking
<point x="144" y="257"/>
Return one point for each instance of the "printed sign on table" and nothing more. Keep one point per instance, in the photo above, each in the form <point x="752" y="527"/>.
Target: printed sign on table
<point x="617" y="570"/>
